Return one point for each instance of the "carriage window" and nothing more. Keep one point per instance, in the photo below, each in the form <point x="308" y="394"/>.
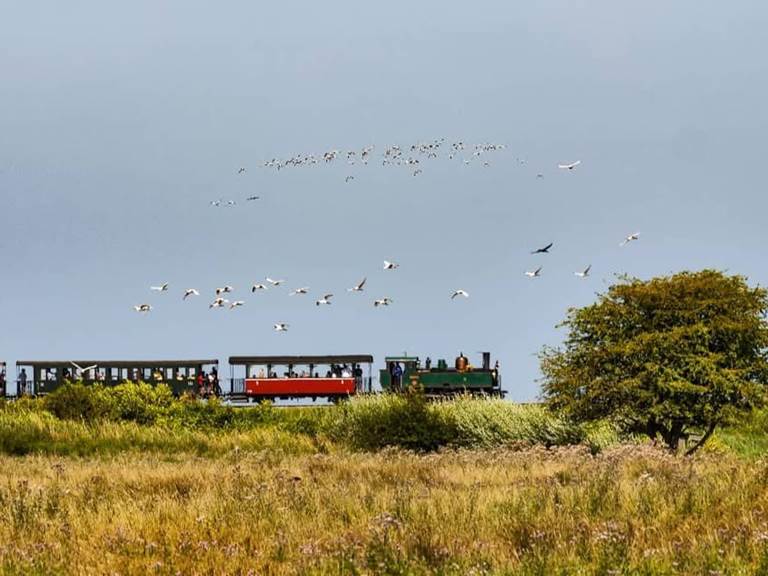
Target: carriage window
<point x="169" y="373"/>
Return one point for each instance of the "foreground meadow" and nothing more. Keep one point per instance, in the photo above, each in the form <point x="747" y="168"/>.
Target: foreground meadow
<point x="629" y="509"/>
<point x="132" y="481"/>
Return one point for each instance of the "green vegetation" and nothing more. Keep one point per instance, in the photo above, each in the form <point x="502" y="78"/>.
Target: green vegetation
<point x="671" y="357"/>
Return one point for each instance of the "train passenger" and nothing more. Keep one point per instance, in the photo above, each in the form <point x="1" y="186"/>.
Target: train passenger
<point x="261" y="373"/>
<point x="201" y="382"/>
<point x="397" y="375"/>
<point x="2" y="383"/>
<point x="23" y="382"/>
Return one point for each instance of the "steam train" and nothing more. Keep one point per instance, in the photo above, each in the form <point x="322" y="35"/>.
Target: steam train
<point x="258" y="378"/>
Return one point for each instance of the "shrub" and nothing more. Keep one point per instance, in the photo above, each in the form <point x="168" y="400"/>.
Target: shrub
<point x="79" y="402"/>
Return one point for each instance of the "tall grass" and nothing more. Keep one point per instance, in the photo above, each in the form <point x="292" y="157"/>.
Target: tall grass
<point x="627" y="510"/>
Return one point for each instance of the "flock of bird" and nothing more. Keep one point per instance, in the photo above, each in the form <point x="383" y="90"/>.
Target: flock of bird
<point x="411" y="157"/>
<point x="536" y="273"/>
<point x="325" y="300"/>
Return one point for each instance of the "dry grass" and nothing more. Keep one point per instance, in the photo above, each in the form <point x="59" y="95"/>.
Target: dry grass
<point x="630" y="509"/>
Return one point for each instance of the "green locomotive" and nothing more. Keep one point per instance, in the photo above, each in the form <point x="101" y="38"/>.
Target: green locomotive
<point x="402" y="372"/>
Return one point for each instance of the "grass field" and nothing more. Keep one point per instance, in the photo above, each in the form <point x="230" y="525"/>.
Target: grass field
<point x="497" y="489"/>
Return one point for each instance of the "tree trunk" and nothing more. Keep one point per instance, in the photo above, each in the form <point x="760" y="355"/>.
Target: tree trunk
<point x="703" y="439"/>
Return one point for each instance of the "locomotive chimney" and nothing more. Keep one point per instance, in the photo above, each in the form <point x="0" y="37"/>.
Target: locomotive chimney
<point x="486" y="360"/>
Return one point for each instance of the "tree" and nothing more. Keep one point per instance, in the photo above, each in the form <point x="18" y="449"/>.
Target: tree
<point x="670" y="357"/>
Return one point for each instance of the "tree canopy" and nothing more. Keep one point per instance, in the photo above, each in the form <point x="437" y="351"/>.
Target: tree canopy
<point x="671" y="357"/>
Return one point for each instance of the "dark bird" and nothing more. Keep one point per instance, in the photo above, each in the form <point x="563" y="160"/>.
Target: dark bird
<point x="252" y="198"/>
<point x="544" y="250"/>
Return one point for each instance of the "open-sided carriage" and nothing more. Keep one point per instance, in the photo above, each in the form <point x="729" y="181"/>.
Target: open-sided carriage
<point x="37" y="377"/>
<point x="284" y="377"/>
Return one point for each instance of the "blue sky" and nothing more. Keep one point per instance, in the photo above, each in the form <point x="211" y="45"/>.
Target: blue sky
<point x="118" y="125"/>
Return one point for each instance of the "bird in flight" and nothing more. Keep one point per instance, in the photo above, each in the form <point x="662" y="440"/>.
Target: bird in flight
<point x="349" y="179"/>
<point x="258" y="287"/>
<point x="326" y="299"/>
<point x="534" y="273"/>
<point x="459" y="293"/>
<point x="224" y="290"/>
<point x="216" y="203"/>
<point x="274" y="282"/>
<point x="584" y="273"/>
<point x="162" y="288"/>
<point x="281" y="327"/>
<point x="629" y="238"/>
<point x="190" y="292"/>
<point x="390" y="265"/>
<point x="303" y="290"/>
<point x="358" y="287"/>
<point x="218" y="303"/>
<point x="417" y="171"/>
<point x="236" y="304"/>
<point x="143" y="308"/>
<point x="251" y="198"/>
<point x="544" y="250"/>
<point x="382" y="302"/>
<point x="570" y="166"/>
<point x="82" y="370"/>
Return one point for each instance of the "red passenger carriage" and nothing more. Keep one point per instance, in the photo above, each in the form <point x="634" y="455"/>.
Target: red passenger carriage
<point x="283" y="377"/>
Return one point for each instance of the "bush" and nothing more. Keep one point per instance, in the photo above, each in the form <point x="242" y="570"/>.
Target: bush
<point x="79" y="402"/>
<point x="374" y="422"/>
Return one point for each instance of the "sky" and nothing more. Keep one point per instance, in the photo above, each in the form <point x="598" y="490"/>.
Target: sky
<point x="120" y="122"/>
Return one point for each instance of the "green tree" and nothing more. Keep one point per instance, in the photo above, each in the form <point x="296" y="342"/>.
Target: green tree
<point x="671" y="357"/>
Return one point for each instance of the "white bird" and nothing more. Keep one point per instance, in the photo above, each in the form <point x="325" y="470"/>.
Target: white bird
<point x="274" y="282"/>
<point x="303" y="290"/>
<point x="215" y="203"/>
<point x="258" y="287"/>
<point x="570" y="166"/>
<point x="382" y="302"/>
<point x="584" y="273"/>
<point x="390" y="265"/>
<point x="143" y="308"/>
<point x="460" y="293"/>
<point x="281" y="327"/>
<point x="534" y="273"/>
<point x="190" y="292"/>
<point x="629" y="238"/>
<point x="326" y="299"/>
<point x="236" y="304"/>
<point x="358" y="287"/>
<point x="223" y="290"/>
<point x="82" y="370"/>
<point x="218" y="303"/>
<point x="161" y="288"/>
